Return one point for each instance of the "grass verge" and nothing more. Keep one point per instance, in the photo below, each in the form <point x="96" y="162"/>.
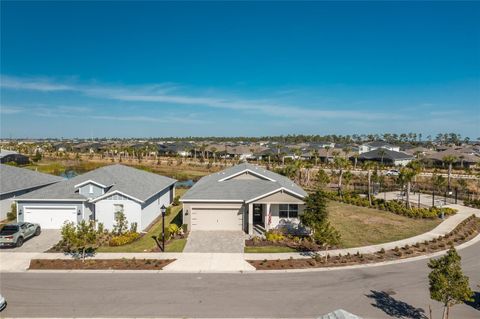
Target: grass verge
<point x="363" y="226"/>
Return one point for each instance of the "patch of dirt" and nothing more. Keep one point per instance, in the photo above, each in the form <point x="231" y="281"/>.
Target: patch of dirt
<point x="100" y="264"/>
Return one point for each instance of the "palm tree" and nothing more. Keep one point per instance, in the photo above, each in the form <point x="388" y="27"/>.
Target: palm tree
<point x="449" y="160"/>
<point x="405" y="178"/>
<point x="327" y="148"/>
<point x="314" y="153"/>
<point x="347" y="150"/>
<point x="214" y="151"/>
<point x="340" y="163"/>
<point x="382" y="154"/>
<point x="347" y="178"/>
<point x="368" y="166"/>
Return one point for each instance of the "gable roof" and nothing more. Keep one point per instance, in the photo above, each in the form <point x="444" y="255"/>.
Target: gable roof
<point x="221" y="187"/>
<point x="132" y="182"/>
<point x="388" y="154"/>
<point x="15" y="179"/>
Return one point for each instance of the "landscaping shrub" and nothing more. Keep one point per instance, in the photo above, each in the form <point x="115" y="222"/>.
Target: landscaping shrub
<point x="394" y="206"/>
<point x="173" y="229"/>
<point x="475" y="203"/>
<point x="12" y="214"/>
<point x="274" y="235"/>
<point x="124" y="239"/>
<point x="176" y="201"/>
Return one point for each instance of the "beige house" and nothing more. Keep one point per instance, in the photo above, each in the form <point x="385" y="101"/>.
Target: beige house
<point x="244" y="197"/>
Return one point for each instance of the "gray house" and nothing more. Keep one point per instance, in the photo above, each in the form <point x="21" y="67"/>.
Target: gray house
<point x="98" y="195"/>
<point x="243" y="197"/>
<point x="15" y="181"/>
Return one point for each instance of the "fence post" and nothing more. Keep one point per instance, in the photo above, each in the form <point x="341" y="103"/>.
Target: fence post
<point x="433" y="198"/>
<point x="456" y="195"/>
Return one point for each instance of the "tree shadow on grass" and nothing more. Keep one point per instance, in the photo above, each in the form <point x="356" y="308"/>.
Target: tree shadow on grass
<point x="395" y="308"/>
<point x="476" y="301"/>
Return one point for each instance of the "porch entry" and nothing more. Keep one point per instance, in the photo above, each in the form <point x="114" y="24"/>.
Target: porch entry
<point x="258" y="214"/>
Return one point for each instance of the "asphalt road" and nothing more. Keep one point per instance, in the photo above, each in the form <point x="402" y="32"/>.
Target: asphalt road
<point x="395" y="291"/>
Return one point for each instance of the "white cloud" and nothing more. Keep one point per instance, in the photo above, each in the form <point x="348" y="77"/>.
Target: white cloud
<point x="164" y="94"/>
<point x="10" y="109"/>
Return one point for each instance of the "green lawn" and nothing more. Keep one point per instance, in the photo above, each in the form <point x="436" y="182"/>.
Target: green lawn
<point x="362" y="226"/>
<point x="146" y="243"/>
<point x="269" y="249"/>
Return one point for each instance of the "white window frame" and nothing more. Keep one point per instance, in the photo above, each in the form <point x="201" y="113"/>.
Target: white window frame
<point x="288" y="210"/>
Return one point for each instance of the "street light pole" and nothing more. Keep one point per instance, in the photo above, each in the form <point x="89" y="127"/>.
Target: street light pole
<point x="163" y="210"/>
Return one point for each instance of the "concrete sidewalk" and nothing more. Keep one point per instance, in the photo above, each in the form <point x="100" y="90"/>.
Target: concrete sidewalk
<point x="445" y="227"/>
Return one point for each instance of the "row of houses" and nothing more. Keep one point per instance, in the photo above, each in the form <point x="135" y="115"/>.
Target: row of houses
<point x="466" y="155"/>
<point x="241" y="198"/>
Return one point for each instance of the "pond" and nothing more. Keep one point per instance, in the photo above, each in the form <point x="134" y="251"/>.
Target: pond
<point x="185" y="184"/>
<point x="68" y="174"/>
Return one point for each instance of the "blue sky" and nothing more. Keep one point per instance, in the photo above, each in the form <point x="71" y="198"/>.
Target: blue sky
<point x="71" y="69"/>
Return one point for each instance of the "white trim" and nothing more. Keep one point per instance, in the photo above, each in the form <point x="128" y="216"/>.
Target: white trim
<point x="244" y="171"/>
<point x="212" y="200"/>
<point x="89" y="182"/>
<point x="273" y="192"/>
<point x="52" y="207"/>
<point x="113" y="193"/>
<point x="48" y="200"/>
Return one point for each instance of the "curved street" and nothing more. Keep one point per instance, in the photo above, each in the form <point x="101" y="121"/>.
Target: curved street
<point x="393" y="291"/>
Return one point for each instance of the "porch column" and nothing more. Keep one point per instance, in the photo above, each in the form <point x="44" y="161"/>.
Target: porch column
<point x="250" y="219"/>
<point x="267" y="214"/>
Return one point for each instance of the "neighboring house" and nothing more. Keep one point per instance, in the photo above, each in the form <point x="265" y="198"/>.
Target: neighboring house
<point x="12" y="156"/>
<point x="98" y="195"/>
<point x="371" y="146"/>
<point x="15" y="181"/>
<point x="242" y="197"/>
<point x="387" y="157"/>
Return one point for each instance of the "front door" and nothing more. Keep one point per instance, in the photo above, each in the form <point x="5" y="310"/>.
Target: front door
<point x="257" y="213"/>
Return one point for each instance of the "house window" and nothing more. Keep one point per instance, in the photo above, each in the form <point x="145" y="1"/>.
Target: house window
<point x="288" y="210"/>
<point x="90" y="189"/>
<point x="117" y="208"/>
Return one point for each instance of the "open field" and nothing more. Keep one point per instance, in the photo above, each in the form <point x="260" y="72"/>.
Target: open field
<point x="170" y="168"/>
<point x="362" y="226"/>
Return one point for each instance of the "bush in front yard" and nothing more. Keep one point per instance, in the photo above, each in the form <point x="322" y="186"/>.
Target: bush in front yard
<point x="176" y="201"/>
<point x="12" y="214"/>
<point x="124" y="239"/>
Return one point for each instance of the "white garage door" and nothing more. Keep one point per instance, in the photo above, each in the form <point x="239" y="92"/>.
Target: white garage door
<point x="216" y="219"/>
<point x="50" y="217"/>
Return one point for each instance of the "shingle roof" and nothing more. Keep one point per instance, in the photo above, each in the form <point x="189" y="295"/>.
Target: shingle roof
<point x="212" y="187"/>
<point x="16" y="178"/>
<point x="130" y="181"/>
<point x="388" y="154"/>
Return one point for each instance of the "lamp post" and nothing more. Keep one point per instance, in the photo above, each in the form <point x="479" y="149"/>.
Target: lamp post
<point x="163" y="210"/>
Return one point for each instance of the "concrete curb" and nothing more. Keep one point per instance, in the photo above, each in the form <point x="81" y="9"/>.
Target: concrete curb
<point x="379" y="264"/>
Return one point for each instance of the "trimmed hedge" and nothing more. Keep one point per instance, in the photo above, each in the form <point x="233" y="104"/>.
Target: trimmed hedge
<point x="394" y="206"/>
<point x="475" y="203"/>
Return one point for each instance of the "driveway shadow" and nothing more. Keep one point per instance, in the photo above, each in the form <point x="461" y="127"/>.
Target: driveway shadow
<point x="395" y="308"/>
<point x="476" y="301"/>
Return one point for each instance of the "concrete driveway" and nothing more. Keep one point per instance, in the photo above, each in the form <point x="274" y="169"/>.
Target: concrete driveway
<point x="38" y="244"/>
<point x="215" y="242"/>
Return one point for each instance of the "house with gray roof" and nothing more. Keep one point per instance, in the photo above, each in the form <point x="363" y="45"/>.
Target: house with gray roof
<point x="99" y="195"/>
<point x="387" y="157"/>
<point x="16" y="181"/>
<point x="374" y="145"/>
<point x="243" y="197"/>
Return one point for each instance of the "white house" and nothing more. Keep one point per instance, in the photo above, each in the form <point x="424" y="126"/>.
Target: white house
<point x="371" y="146"/>
<point x="243" y="197"/>
<point x="98" y="195"/>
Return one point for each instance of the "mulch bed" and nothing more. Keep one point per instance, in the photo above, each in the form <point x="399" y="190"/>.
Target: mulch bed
<point x="301" y="246"/>
<point x="465" y="231"/>
<point x="100" y="264"/>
